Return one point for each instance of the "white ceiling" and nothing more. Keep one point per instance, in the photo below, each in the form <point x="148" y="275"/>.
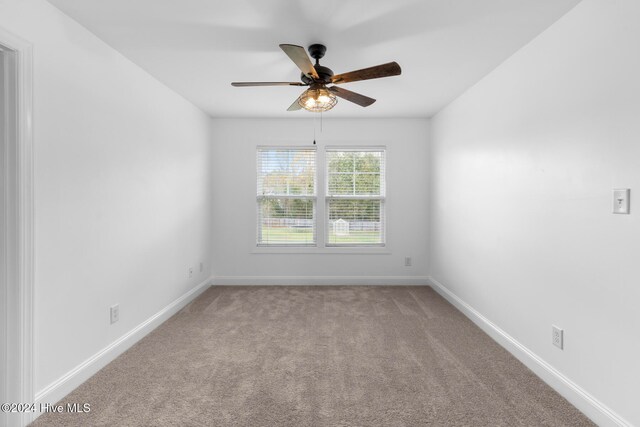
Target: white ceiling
<point x="198" y="47"/>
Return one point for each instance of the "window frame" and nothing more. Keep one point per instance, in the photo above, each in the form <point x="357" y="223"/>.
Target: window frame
<point x="321" y="211"/>
<point x="381" y="197"/>
<point x="262" y="197"/>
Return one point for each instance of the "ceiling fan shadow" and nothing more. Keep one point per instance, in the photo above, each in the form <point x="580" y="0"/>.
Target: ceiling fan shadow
<point x="196" y="37"/>
<point x="414" y="19"/>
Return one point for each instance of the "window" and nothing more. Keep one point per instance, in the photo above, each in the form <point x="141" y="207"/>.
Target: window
<point x="355" y="197"/>
<point x="286" y="196"/>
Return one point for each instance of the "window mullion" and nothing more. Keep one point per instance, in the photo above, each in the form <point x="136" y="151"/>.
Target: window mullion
<point x="353" y="159"/>
<point x="322" y="188"/>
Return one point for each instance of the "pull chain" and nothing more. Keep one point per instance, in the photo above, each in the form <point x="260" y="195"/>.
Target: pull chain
<point x="314" y="127"/>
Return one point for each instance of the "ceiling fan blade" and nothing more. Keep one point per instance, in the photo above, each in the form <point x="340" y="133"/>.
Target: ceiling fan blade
<point x="299" y="56"/>
<point x="295" y="106"/>
<point x="384" y="70"/>
<point x="248" y="84"/>
<point x="356" y="98"/>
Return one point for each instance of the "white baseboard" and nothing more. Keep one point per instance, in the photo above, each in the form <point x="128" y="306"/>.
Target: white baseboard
<point x="72" y="379"/>
<point x="319" y="280"/>
<point x="597" y="411"/>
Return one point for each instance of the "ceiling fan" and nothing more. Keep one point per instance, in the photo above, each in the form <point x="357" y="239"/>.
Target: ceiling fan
<point x="320" y="97"/>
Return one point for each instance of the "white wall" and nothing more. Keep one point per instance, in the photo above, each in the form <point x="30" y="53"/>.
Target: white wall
<point x="122" y="189"/>
<point x="523" y="166"/>
<point x="234" y="216"/>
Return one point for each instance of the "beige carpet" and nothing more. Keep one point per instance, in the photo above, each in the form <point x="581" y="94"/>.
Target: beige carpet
<point x="317" y="356"/>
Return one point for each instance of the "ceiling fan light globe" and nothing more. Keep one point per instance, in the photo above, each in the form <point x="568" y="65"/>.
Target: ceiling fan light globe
<point x="317" y="100"/>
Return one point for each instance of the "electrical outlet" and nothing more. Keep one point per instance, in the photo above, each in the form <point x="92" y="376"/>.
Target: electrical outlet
<point x="114" y="311"/>
<point x="201" y="267"/>
<point x="557" y="337"/>
<point x="407" y="261"/>
<point x="190" y="272"/>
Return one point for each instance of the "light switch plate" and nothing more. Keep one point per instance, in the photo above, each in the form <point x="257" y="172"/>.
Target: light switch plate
<point x="621" y="200"/>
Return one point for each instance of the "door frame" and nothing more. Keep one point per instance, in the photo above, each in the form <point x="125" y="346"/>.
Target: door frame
<point x="17" y="226"/>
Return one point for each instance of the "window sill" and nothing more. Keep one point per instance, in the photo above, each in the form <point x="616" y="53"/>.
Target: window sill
<point x="321" y="251"/>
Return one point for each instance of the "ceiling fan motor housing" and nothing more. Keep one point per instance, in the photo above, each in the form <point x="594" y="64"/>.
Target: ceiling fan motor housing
<point x="324" y="74"/>
<point x="317" y="51"/>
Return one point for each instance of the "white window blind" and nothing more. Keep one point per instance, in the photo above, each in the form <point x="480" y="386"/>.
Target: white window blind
<point x="286" y="196"/>
<point x="355" y="197"/>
